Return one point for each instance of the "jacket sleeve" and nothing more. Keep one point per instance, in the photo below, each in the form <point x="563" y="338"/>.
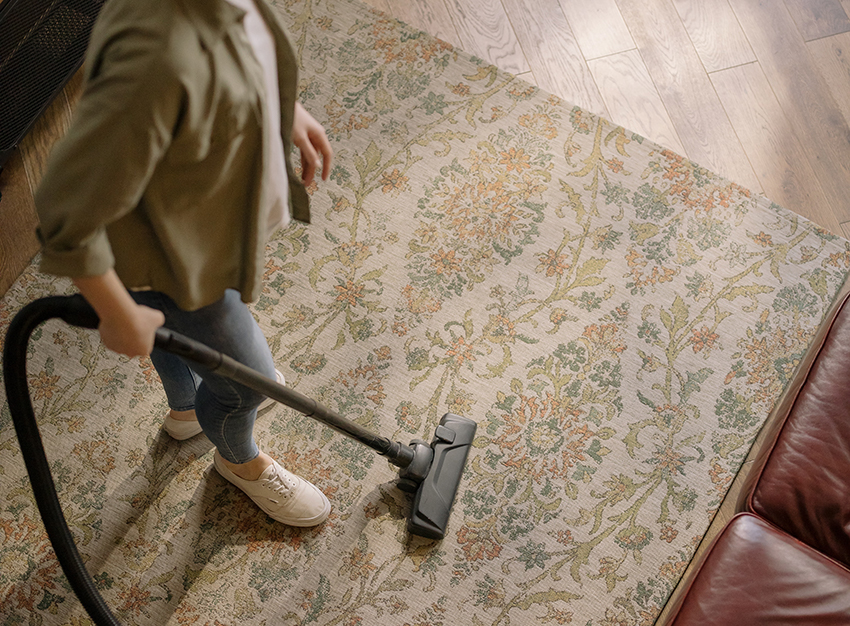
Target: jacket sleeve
<point x="98" y="172"/>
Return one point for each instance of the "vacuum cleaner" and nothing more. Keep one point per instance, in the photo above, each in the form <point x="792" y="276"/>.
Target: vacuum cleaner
<point x="431" y="472"/>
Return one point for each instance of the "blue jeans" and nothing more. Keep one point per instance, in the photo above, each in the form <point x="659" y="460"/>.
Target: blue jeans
<point x="226" y="410"/>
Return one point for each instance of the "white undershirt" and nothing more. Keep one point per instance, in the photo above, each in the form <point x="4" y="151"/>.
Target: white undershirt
<point x="262" y="43"/>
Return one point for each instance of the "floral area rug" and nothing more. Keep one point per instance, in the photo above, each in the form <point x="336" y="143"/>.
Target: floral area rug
<point x="618" y="320"/>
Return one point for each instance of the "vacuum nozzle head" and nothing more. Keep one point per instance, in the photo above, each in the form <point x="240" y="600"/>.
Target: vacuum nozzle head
<point x="433" y="500"/>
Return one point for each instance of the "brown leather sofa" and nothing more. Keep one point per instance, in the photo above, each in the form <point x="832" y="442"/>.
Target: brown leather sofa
<point x="785" y="558"/>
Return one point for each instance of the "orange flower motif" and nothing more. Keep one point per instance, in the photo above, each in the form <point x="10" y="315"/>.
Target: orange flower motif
<point x="516" y="92"/>
<point x="669" y="460"/>
<point x="445" y="262"/>
<point x="461" y="89"/>
<point x="96" y="454"/>
<point x="461" y="351"/>
<point x="134" y="599"/>
<point x="558" y="316"/>
<point x="44" y="386"/>
<point x="358" y="564"/>
<point x="615" y="165"/>
<point x="565" y="537"/>
<point x="668" y="533"/>
<point x="394" y="182"/>
<point x="672" y="570"/>
<point x="839" y="259"/>
<point x="553" y="263"/>
<point x="515" y="159"/>
<point x="763" y="239"/>
<point x="270" y="268"/>
<point x="649" y="616"/>
<point x="605" y="335"/>
<point x="703" y="338"/>
<point x="635" y="258"/>
<point x="350" y="293"/>
<point x="478" y="545"/>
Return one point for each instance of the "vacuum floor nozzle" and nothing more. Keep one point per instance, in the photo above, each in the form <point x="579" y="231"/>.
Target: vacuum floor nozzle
<point x="435" y="495"/>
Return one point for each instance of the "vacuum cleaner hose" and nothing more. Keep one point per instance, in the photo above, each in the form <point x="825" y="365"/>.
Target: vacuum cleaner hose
<point x="20" y="406"/>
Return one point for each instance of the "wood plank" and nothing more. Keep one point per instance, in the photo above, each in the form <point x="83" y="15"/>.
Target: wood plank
<point x="832" y="58"/>
<point x="553" y="53"/>
<point x="818" y="18"/>
<point x="632" y="98"/>
<point x="803" y="95"/>
<point x="772" y="147"/>
<point x="18" y="242"/>
<point x="430" y="16"/>
<point x="598" y="27"/>
<point x="48" y="129"/>
<point x="715" y="33"/>
<point x="486" y="32"/>
<point x="685" y="89"/>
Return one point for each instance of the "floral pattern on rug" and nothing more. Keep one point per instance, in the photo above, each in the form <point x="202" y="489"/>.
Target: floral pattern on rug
<point x="618" y="320"/>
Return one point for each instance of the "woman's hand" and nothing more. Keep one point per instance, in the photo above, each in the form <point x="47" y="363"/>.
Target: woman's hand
<point x="310" y="138"/>
<point x="131" y="332"/>
<point x="125" y="327"/>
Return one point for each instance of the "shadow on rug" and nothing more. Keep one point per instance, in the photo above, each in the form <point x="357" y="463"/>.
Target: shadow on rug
<point x="618" y="320"/>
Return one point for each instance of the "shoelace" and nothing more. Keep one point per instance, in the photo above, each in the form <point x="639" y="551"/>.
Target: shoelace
<point x="281" y="484"/>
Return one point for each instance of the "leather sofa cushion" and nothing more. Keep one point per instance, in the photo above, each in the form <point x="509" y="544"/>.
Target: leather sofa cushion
<point x="756" y="574"/>
<point x="804" y="485"/>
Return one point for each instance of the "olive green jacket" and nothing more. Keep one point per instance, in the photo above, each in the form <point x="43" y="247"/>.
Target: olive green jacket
<point x="162" y="173"/>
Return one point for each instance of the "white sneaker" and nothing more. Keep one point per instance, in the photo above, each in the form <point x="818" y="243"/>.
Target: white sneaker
<point x="283" y="496"/>
<point x="183" y="429"/>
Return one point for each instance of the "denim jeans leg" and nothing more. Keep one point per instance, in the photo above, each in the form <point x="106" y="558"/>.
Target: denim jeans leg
<point x="179" y="381"/>
<point x="226" y="410"/>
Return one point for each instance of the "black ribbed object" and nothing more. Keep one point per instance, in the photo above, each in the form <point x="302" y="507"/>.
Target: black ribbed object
<point x="42" y="45"/>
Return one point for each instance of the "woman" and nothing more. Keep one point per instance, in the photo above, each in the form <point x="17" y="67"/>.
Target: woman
<point x="174" y="172"/>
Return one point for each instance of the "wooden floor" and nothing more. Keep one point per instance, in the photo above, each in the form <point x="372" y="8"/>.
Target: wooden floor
<point x="756" y="90"/>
